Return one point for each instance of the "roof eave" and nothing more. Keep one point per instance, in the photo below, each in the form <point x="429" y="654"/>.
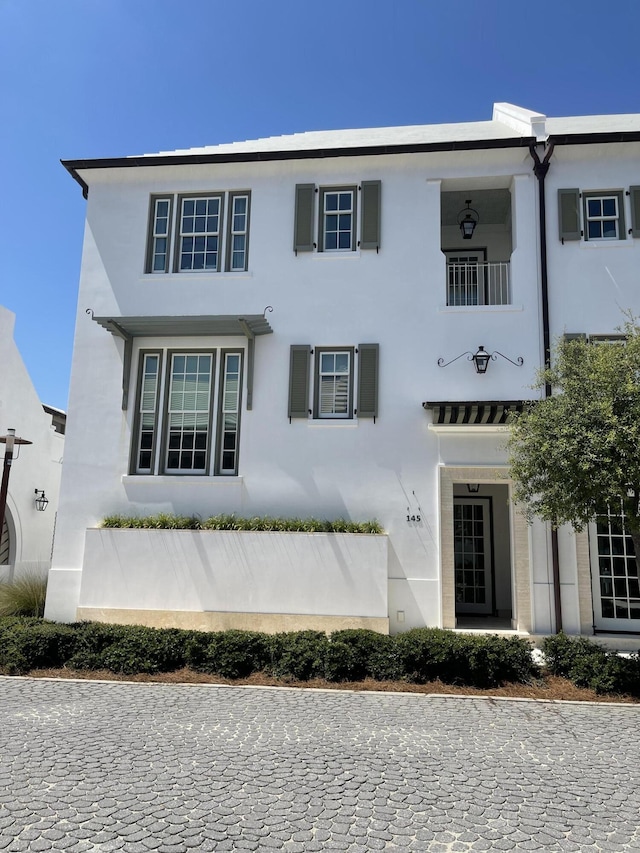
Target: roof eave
<point x="75" y="166"/>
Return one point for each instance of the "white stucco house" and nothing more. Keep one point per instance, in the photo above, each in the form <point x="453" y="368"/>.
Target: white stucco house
<point x="336" y="324"/>
<point x="27" y="533"/>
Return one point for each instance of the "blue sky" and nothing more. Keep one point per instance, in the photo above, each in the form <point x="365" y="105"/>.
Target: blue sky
<point x="101" y="78"/>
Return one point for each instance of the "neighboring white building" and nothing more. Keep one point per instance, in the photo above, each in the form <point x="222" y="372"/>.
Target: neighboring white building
<point x="285" y="327"/>
<point x="27" y="535"/>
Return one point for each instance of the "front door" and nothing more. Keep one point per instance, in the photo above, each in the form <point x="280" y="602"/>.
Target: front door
<point x="472" y="555"/>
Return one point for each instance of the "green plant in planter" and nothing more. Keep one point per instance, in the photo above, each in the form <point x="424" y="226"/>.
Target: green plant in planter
<point x="168" y="521"/>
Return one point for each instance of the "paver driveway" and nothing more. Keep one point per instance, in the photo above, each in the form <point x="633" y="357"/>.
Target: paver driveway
<point x="89" y="766"/>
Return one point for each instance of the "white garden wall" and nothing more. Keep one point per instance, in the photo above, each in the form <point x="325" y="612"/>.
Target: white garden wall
<point x="221" y="578"/>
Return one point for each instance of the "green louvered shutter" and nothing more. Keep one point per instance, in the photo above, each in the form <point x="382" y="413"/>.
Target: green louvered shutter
<point x="303" y="226"/>
<point x="569" y="214"/>
<point x="299" y="381"/>
<point x="370" y="222"/>
<point x="634" y="192"/>
<point x="368" y="380"/>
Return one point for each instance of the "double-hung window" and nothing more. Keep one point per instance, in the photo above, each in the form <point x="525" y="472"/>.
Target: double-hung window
<point x="341" y="381"/>
<point x="178" y="428"/>
<point x="199" y="234"/>
<point x="597" y="216"/>
<point x="334" y="383"/>
<point x="189" y="232"/>
<point x="337" y="233"/>
<point x="329" y="219"/>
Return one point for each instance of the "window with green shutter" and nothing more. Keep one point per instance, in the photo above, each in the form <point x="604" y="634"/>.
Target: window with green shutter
<point x="336" y="395"/>
<point x="339" y="217"/>
<point x="634" y="193"/>
<point x="303" y="218"/>
<point x="569" y="214"/>
<point x="299" y="358"/>
<point x="367" y="406"/>
<point x="370" y="217"/>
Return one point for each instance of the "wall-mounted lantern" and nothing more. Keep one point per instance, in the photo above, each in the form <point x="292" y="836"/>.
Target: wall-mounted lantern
<point x="481" y="359"/>
<point x="42" y="501"/>
<point x="473" y="488"/>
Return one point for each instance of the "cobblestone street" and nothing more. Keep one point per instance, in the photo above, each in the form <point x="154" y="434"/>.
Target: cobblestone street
<point x="91" y="766"/>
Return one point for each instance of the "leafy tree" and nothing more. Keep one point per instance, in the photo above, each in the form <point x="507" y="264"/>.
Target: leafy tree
<point x="578" y="451"/>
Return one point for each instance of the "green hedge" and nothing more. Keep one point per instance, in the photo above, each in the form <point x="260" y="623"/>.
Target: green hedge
<point x="167" y="521"/>
<point x="420" y="655"/>
<point x="589" y="665"/>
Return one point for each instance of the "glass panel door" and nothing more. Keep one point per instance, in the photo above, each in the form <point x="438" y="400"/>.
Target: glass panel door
<point x="465" y="278"/>
<point x="472" y="556"/>
<point x="614" y="575"/>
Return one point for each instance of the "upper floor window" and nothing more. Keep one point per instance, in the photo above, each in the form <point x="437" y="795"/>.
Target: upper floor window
<point x="601" y="215"/>
<point x="238" y="232"/>
<point x="338" y="220"/>
<point x="199" y="233"/>
<point x="177" y="429"/>
<point x="329" y="219"/>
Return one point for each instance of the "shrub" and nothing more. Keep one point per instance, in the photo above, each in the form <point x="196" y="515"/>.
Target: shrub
<point x="299" y="655"/>
<point x="128" y="649"/>
<point x="587" y="664"/>
<point x="427" y="654"/>
<point x="231" y="654"/>
<point x="370" y="655"/>
<point x="24" y="596"/>
<point x="27" y="644"/>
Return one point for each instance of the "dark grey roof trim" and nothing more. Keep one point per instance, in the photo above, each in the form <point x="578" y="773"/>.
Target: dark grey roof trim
<point x="73" y="166"/>
<point x="595" y="138"/>
<point x="213" y="324"/>
<point x="475" y="413"/>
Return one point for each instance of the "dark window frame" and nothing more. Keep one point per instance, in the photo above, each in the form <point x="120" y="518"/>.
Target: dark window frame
<point x="317" y="355"/>
<point x="324" y="191"/>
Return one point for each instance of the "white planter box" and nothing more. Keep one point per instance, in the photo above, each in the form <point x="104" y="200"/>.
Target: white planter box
<point x="160" y="576"/>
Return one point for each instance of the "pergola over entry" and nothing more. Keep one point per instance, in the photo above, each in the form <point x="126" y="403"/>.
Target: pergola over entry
<point x="474" y="413"/>
<point x="211" y="325"/>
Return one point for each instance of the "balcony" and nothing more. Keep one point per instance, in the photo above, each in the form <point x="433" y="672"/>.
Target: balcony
<point x="473" y="283"/>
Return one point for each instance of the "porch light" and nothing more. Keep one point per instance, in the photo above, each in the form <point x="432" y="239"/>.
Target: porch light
<point x="473" y="488"/>
<point x="468" y="218"/>
<point x="481" y="359"/>
<point x="41" y="500"/>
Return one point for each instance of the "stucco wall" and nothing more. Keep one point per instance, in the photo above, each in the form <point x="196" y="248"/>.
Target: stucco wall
<point x="35" y="466"/>
<point x="333" y="575"/>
